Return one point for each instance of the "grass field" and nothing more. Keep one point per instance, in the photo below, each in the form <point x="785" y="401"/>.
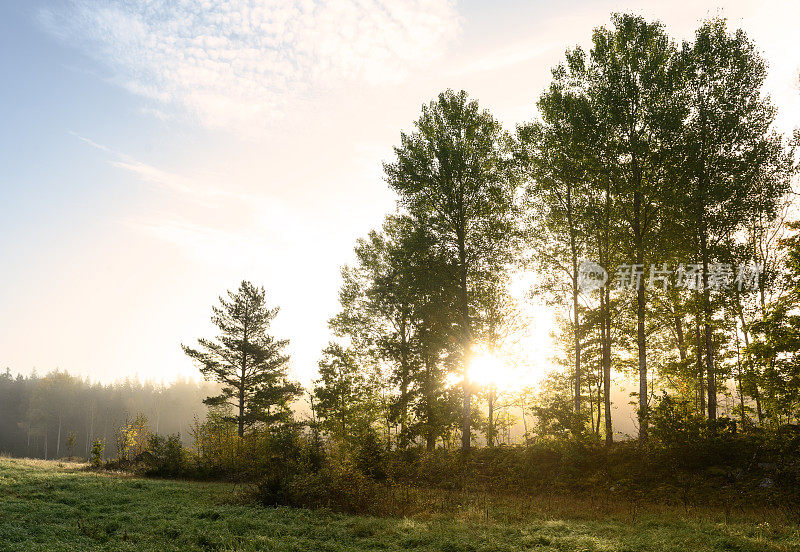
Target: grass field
<point x="52" y="507"/>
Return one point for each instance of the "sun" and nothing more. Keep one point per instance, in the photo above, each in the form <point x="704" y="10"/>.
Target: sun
<point x="488" y="368"/>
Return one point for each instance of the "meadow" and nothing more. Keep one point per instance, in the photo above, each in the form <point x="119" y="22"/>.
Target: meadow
<point x="54" y="506"/>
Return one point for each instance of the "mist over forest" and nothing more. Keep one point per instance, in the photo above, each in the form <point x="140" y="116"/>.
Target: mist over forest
<point x="58" y="415"/>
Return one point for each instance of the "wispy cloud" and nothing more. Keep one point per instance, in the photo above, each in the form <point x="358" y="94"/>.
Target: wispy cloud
<point x="507" y="56"/>
<point x="192" y="187"/>
<point x="242" y="61"/>
<point x="203" y="219"/>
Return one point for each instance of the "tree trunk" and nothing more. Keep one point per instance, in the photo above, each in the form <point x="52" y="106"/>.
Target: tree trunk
<point x="605" y="309"/>
<point x="577" y="344"/>
<point x="490" y="432"/>
<point x="739" y="379"/>
<point x="709" y="336"/>
<point x="58" y="439"/>
<point x="403" y="440"/>
<point x="466" y="342"/>
<point x="575" y="304"/>
<point x="428" y="397"/>
<point x="641" y="344"/>
<point x="607" y="364"/>
<point x="678" y="320"/>
<point x="242" y="386"/>
<point x="240" y="429"/>
<point x="641" y="338"/>
<point x="700" y="370"/>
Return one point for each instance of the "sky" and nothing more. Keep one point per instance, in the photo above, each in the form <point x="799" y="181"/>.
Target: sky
<point x="153" y="154"/>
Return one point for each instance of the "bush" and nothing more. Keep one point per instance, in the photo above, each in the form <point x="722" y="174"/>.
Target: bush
<point x="132" y="438"/>
<point x="166" y="457"/>
<point x="338" y="487"/>
<point x="370" y="456"/>
<point x="96" y="453"/>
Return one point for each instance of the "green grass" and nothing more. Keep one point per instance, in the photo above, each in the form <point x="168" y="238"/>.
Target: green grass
<point x="46" y="506"/>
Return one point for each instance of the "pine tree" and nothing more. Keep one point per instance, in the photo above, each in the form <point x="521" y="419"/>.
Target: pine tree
<point x="248" y="361"/>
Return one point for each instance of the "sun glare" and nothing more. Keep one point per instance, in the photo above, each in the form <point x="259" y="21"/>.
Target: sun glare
<point x="487" y="368"/>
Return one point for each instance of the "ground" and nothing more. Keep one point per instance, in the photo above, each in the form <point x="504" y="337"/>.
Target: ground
<point x="53" y="507"/>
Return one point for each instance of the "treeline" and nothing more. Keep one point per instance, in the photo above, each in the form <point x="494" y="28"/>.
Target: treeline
<point x="656" y="161"/>
<point x="59" y="415"/>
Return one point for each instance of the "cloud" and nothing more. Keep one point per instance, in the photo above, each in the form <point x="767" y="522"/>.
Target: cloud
<point x="203" y="219"/>
<point x="507" y="56"/>
<point x="189" y="186"/>
<point x="247" y="62"/>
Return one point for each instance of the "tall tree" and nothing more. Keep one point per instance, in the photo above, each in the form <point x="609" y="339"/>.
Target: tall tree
<point x="418" y="276"/>
<point x="397" y="305"/>
<point x="636" y="89"/>
<point x="776" y="341"/>
<point x="455" y="171"/>
<point x="729" y="154"/>
<point x="248" y="361"/>
<point x="557" y="153"/>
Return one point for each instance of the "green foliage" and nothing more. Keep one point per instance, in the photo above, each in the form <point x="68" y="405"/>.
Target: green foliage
<point x="676" y="422"/>
<point x="167" y="456"/>
<point x="775" y="350"/>
<point x="217" y="446"/>
<point x="72" y="437"/>
<point x="455" y="175"/>
<point x="647" y="153"/>
<point x="96" y="452"/>
<point x="219" y="452"/>
<point x="32" y="408"/>
<point x="558" y="419"/>
<point x="248" y="362"/>
<point x="345" y="398"/>
<point x="370" y="454"/>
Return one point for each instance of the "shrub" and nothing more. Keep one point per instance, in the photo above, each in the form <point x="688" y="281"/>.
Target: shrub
<point x="132" y="438"/>
<point x="167" y="457"/>
<point x="72" y="437"/>
<point x="96" y="453"/>
<point x="370" y="456"/>
<point x="338" y="487"/>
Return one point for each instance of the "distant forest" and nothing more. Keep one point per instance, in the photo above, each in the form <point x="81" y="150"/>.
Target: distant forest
<point x="59" y="415"/>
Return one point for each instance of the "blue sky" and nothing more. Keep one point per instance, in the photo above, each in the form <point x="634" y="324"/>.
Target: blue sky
<point x="152" y="156"/>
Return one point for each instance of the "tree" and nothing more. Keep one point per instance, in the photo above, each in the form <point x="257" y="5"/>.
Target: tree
<point x="730" y="160"/>
<point x="412" y="290"/>
<point x="636" y="90"/>
<point x="72" y="438"/>
<point x="248" y="362"/>
<point x="51" y="406"/>
<point x="131" y="439"/>
<point x="31" y="407"/>
<point x="397" y="305"/>
<point x="343" y="395"/>
<point x="776" y="344"/>
<point x="557" y="154"/>
<point x="455" y="171"/>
